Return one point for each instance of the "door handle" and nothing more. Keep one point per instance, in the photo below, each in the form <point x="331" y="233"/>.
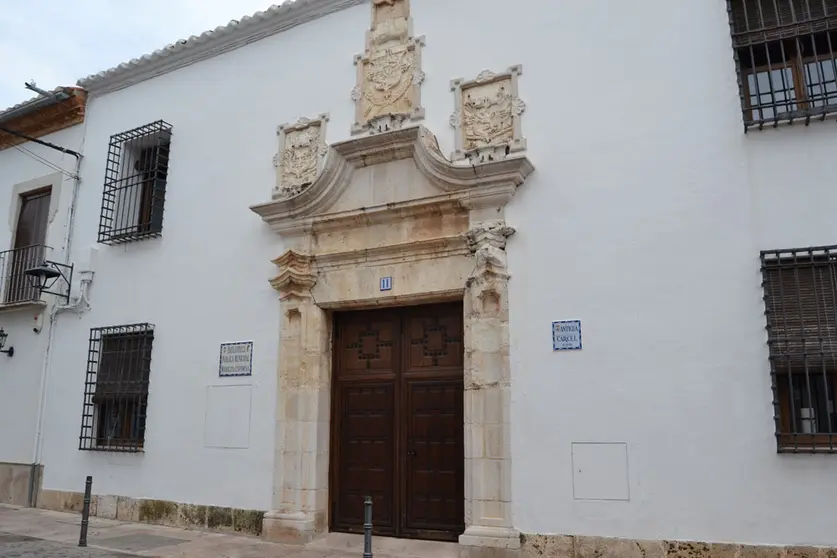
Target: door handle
<point x="411" y="453"/>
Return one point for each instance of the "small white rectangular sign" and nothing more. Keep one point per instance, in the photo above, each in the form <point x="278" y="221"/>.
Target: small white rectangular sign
<point x="566" y="335"/>
<point x="236" y="359"/>
<point x="386" y="283"/>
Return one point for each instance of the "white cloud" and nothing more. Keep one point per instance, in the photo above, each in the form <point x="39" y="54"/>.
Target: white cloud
<point x="56" y="42"/>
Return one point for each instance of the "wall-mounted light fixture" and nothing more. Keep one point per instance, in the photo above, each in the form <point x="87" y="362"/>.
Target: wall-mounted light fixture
<point x="47" y="274"/>
<point x="3" y="336"/>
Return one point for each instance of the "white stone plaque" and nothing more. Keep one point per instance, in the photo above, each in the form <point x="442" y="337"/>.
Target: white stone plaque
<point x="236" y="359"/>
<point x="566" y="335"/>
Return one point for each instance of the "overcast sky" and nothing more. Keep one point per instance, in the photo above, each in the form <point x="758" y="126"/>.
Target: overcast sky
<point x="56" y="42"/>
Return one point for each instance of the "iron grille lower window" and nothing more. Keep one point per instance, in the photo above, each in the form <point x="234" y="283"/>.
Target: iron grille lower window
<point x="785" y="58"/>
<point x="800" y="295"/>
<point x="135" y="184"/>
<point x="116" y="388"/>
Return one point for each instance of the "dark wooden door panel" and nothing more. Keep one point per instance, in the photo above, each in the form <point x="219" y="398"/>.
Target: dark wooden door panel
<point x="434" y="338"/>
<point x="366" y="439"/>
<point x="398" y="421"/>
<point x="33" y="218"/>
<point x="434" y="492"/>
<point x="368" y="343"/>
<point x="30" y="236"/>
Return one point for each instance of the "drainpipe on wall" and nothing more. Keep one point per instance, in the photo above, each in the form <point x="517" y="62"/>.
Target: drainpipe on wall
<point x="79" y="304"/>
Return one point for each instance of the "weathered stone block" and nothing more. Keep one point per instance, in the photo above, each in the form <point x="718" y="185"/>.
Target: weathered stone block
<point x="106" y="506"/>
<point x="190" y="515"/>
<point x="59" y="500"/>
<point x="802" y="552"/>
<point x="219" y="518"/>
<point x="276" y="532"/>
<point x="161" y="512"/>
<point x="5" y="484"/>
<point x="652" y="549"/>
<point x="19" y="486"/>
<point x="127" y="509"/>
<point x="685" y="549"/>
<point x="720" y="550"/>
<point x="537" y="546"/>
<point x="760" y="552"/>
<point x="595" y="547"/>
<point x="488" y="552"/>
<point x="48" y="500"/>
<point x="247" y="521"/>
<point x="557" y="546"/>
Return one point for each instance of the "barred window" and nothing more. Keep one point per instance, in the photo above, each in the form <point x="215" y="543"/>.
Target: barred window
<point x="785" y="57"/>
<point x="800" y="294"/>
<point x="116" y="388"/>
<point x="135" y="184"/>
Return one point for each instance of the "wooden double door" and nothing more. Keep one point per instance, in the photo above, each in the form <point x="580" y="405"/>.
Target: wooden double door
<point x="397" y="428"/>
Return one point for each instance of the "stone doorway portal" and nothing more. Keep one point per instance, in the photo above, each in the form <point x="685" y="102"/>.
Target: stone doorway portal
<point x="397" y="421"/>
<point x="389" y="222"/>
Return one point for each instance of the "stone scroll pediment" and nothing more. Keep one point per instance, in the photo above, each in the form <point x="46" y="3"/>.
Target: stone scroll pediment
<point x="345" y="176"/>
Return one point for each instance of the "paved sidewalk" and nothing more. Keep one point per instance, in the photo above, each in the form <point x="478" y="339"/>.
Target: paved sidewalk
<point x="33" y="533"/>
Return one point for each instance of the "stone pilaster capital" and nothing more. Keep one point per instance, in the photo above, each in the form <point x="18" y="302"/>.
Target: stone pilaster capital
<point x="491" y="233"/>
<point x="487" y="241"/>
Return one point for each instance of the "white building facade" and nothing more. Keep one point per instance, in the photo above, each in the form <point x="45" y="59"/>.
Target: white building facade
<point x="39" y="179"/>
<point x="552" y="279"/>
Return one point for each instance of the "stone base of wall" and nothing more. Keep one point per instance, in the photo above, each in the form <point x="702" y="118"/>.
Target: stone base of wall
<point x="15" y="482"/>
<point x="158" y="512"/>
<point x="536" y="546"/>
<point x="212" y="518"/>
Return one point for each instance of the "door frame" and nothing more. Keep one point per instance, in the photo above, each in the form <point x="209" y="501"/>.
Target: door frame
<point x="400" y="438"/>
<point x="54" y="181"/>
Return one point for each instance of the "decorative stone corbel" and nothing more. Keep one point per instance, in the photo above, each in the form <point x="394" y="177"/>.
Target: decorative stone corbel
<point x="487" y="116"/>
<point x="301" y="156"/>
<point x="297" y="277"/>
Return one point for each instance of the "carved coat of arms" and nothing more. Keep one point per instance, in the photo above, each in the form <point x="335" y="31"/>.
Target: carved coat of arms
<point x="389" y="79"/>
<point x="299" y="160"/>
<point x="487" y="120"/>
<point x="302" y="149"/>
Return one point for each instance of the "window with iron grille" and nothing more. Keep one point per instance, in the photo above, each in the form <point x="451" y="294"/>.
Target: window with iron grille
<point x="800" y="294"/>
<point x="785" y="57"/>
<point x="116" y="388"/>
<point x="135" y="184"/>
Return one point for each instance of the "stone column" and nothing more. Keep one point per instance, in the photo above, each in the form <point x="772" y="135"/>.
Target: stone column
<point x="488" y="499"/>
<point x="300" y="484"/>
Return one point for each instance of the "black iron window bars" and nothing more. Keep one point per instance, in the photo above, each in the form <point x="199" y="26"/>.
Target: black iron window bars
<point x="785" y="58"/>
<point x="135" y="184"/>
<point x="800" y="298"/>
<point x="116" y="388"/>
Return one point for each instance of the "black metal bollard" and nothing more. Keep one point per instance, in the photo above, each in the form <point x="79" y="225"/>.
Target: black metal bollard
<point x="85" y="512"/>
<point x="367" y="527"/>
